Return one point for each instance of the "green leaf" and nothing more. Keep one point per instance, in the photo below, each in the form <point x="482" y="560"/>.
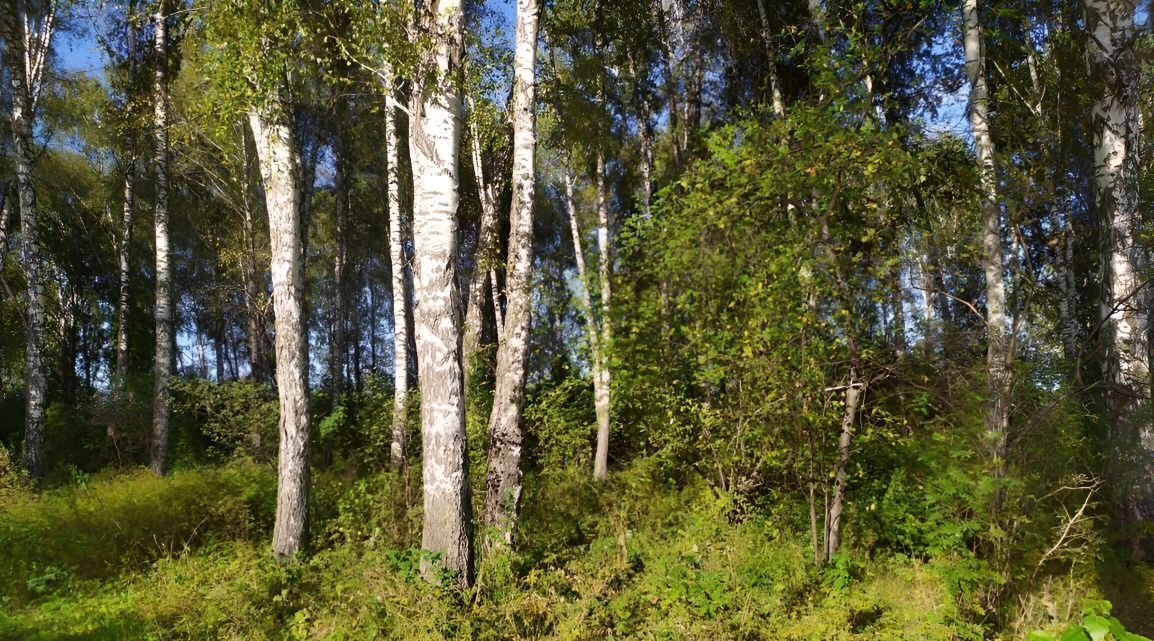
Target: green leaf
<point x="1075" y="634"/>
<point x="1098" y="627"/>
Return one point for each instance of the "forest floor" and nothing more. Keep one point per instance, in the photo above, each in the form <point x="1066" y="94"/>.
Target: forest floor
<point x="128" y="556"/>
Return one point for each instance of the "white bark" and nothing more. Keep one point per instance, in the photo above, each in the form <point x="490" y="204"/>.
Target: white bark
<point x="595" y="331"/>
<point x="279" y="165"/>
<point x="1124" y="315"/>
<point x="125" y="236"/>
<point x="771" y="61"/>
<point x="434" y="142"/>
<point x="480" y="284"/>
<point x="26" y="51"/>
<point x="503" y="487"/>
<point x="853" y="397"/>
<point x="161" y="410"/>
<point x="397" y="263"/>
<point x="999" y="352"/>
<point x="601" y="375"/>
<point x="125" y="273"/>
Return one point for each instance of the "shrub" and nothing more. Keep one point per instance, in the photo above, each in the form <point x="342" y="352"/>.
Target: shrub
<point x="236" y="417"/>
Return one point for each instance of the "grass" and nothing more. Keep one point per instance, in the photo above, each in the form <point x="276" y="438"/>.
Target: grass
<point x="186" y="558"/>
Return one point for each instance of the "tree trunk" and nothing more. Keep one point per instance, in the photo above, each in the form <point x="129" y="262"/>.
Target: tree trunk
<point x="27" y="49"/>
<point x="400" y="295"/>
<point x="277" y="152"/>
<point x="672" y="91"/>
<point x="125" y="278"/>
<point x="503" y="487"/>
<point x="338" y="345"/>
<point x="601" y="380"/>
<point x="1110" y="24"/>
<point x="771" y="61"/>
<point x="853" y="394"/>
<point x="434" y="143"/>
<point x="1068" y="302"/>
<point x="164" y="312"/>
<point x="593" y="330"/>
<point x="999" y="349"/>
<point x="125" y="244"/>
<point x="480" y="283"/>
<point x="253" y="299"/>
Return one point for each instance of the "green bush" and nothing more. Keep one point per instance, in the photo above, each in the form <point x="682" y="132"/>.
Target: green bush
<point x="236" y="417"/>
<point x="1096" y="625"/>
<point x="560" y="424"/>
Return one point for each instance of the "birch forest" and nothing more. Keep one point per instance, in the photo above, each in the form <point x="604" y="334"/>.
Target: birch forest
<point x="577" y="319"/>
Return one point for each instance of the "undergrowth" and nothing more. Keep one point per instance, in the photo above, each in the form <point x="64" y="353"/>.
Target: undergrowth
<point x="134" y="557"/>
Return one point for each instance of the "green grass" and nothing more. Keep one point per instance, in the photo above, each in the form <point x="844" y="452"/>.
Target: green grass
<point x="186" y="558"/>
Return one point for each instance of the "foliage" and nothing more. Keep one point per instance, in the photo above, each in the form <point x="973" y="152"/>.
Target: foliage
<point x="560" y="423"/>
<point x="236" y="417"/>
<point x="1096" y="625"/>
<point x="124" y="523"/>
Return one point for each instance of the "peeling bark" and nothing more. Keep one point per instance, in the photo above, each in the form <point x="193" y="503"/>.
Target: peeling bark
<point x="161" y="410"/>
<point x="434" y="143"/>
<point x="279" y="166"/>
<point x="26" y="52"/>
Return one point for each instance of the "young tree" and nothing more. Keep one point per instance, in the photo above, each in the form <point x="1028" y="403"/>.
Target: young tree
<point x="28" y="40"/>
<point x="165" y="340"/>
<point x="999" y="351"/>
<point x="503" y="490"/>
<point x="397" y="264"/>
<point x="434" y="145"/>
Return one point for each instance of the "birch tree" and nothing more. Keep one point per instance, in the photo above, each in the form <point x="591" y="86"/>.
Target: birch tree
<point x="28" y="44"/>
<point x="161" y="410"/>
<point x="279" y="166"/>
<point x="484" y="280"/>
<point x="129" y="206"/>
<point x="503" y="487"/>
<point x="434" y="146"/>
<point x="397" y="263"/>
<point x="1124" y="313"/>
<point x="601" y="373"/>
<point x="999" y="351"/>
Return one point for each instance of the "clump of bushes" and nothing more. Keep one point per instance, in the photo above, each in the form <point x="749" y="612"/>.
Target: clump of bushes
<point x="232" y="418"/>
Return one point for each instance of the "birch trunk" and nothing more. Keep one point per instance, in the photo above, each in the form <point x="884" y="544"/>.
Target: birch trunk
<point x="601" y="376"/>
<point x="161" y="411"/>
<point x="998" y="351"/>
<point x="279" y="166"/>
<point x="26" y="51"/>
<point x="33" y="268"/>
<point x="480" y="283"/>
<point x="503" y="486"/>
<point x="853" y="394"/>
<point x="1110" y="24"/>
<point x="338" y="347"/>
<point x="400" y="296"/>
<point x="253" y="304"/>
<point x="125" y="238"/>
<point x="771" y="61"/>
<point x="434" y="139"/>
<point x="125" y="274"/>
